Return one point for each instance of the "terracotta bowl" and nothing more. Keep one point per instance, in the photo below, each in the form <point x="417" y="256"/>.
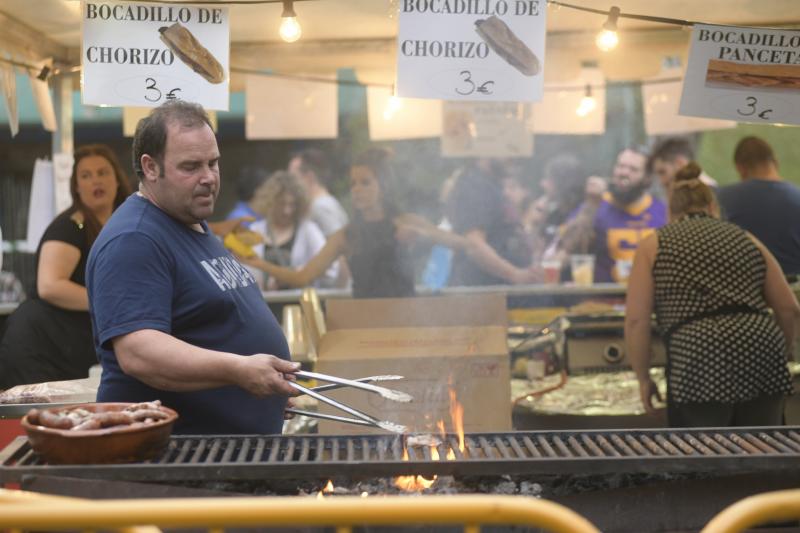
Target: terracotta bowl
<point x="121" y="444"/>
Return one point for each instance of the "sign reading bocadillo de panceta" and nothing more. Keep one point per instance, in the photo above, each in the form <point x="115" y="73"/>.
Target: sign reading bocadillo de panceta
<point x="485" y="50"/>
<point x="143" y="54"/>
<point x="743" y="74"/>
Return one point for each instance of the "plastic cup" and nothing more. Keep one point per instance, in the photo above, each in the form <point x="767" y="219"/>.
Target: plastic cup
<point x="623" y="269"/>
<point x="551" y="269"/>
<point x="582" y="266"/>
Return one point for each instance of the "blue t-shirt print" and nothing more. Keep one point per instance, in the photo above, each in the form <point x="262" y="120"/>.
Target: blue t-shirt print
<point x="148" y="271"/>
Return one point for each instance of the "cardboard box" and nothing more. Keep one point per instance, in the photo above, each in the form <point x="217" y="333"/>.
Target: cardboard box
<point x="437" y="343"/>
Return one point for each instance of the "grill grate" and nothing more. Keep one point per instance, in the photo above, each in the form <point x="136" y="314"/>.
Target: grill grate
<point x="197" y="458"/>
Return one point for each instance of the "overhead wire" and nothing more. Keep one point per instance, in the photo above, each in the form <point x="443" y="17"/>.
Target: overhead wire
<point x="318" y="79"/>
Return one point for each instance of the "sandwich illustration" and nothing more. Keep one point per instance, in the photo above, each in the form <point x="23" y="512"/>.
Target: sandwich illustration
<point x="240" y="242"/>
<point x="504" y="43"/>
<point x="189" y="50"/>
<point x="747" y="75"/>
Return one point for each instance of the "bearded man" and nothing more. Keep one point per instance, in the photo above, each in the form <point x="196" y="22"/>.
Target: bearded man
<point x="611" y="223"/>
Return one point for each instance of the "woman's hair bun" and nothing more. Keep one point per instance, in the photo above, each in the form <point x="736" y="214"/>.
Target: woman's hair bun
<point x="691" y="171"/>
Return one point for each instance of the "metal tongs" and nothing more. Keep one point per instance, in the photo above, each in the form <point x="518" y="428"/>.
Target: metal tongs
<point x="362" y="419"/>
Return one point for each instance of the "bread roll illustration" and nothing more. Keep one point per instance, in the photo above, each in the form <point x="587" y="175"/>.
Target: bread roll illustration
<point x="504" y="43"/>
<point x="748" y="75"/>
<point x="184" y="45"/>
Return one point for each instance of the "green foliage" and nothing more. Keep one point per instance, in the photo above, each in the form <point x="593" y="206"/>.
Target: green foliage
<point x="715" y="152"/>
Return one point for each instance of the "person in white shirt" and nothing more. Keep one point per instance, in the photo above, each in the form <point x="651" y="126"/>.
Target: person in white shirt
<point x="311" y="167"/>
<point x="291" y="239"/>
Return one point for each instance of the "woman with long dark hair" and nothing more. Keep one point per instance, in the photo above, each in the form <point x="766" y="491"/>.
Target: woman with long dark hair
<point x="49" y="336"/>
<point x="374" y="243"/>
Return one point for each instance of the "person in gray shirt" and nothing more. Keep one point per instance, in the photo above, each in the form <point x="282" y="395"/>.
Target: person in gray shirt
<point x="763" y="204"/>
<point x="313" y="170"/>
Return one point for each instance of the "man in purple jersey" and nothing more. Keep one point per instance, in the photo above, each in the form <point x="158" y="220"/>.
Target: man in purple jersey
<point x="623" y="216"/>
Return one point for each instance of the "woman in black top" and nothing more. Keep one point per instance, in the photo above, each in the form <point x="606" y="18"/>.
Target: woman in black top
<point x="375" y="243"/>
<point x="49" y="336"/>
<point x="712" y="286"/>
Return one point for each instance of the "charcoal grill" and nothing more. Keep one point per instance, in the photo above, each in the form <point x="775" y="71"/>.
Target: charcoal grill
<point x="215" y="458"/>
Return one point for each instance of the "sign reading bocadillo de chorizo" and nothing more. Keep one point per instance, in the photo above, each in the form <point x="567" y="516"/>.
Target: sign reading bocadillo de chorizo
<point x="743" y="74"/>
<point x="485" y="50"/>
<point x="143" y="54"/>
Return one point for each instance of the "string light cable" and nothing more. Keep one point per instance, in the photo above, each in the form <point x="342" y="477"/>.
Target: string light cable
<point x="661" y="20"/>
<point x="61" y="71"/>
<point x="611" y="15"/>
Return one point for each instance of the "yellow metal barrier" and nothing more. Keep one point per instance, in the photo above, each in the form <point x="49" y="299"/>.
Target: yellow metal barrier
<point x="343" y="512"/>
<point x="21" y="497"/>
<point x="755" y="510"/>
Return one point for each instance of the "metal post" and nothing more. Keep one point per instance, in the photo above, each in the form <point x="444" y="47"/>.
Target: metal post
<point x="63" y="138"/>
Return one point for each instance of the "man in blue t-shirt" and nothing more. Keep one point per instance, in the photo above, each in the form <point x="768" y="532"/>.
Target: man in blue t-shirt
<point x="175" y="317"/>
<point x="764" y="204"/>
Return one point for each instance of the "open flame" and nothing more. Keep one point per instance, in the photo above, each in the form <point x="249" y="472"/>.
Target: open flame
<point x="418" y="483"/>
<point x="415" y="483"/>
<point x="457" y="417"/>
<point x="327" y="489"/>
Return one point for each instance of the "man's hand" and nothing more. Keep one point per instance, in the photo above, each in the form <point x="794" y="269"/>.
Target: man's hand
<point x="526" y="276"/>
<point x="265" y="375"/>
<point x="290" y="404"/>
<point x="595" y="188"/>
<point x="647" y="390"/>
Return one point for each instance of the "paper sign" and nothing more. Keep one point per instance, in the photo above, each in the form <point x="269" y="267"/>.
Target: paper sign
<point x="143" y="54"/>
<point x="41" y="209"/>
<point x="490" y="129"/>
<point x="485" y="50"/>
<point x="8" y="86"/>
<point x="392" y="117"/>
<point x="290" y="109"/>
<point x="743" y="74"/>
<point x="660" y="100"/>
<point x="568" y="109"/>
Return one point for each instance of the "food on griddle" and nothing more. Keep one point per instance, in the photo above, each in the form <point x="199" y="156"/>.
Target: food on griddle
<point x="240" y="242"/>
<point x="79" y="419"/>
<point x="423" y="439"/>
<point x="504" y="43"/>
<point x="747" y="75"/>
<point x="189" y="50"/>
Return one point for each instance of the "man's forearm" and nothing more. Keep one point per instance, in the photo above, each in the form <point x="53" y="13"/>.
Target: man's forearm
<point x="490" y="261"/>
<point x="166" y="363"/>
<point x="578" y="233"/>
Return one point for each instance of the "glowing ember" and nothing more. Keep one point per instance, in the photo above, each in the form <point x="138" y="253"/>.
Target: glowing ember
<point x="413" y="483"/>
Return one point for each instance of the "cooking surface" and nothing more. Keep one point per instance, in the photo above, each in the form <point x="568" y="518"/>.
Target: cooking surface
<point x="518" y="453"/>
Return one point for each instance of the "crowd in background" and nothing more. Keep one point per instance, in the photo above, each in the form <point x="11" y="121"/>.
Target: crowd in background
<point x="504" y="228"/>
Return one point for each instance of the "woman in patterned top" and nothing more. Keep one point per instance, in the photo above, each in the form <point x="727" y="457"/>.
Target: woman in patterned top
<point x="712" y="286"/>
<point x="49" y="336"/>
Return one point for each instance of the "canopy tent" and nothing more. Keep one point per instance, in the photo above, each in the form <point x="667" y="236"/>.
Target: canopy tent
<point x="361" y="34"/>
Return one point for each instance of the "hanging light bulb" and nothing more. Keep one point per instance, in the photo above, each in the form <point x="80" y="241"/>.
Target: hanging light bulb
<point x="608" y="39"/>
<point x="588" y="103"/>
<point x="393" y="105"/>
<point x="290" y="28"/>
